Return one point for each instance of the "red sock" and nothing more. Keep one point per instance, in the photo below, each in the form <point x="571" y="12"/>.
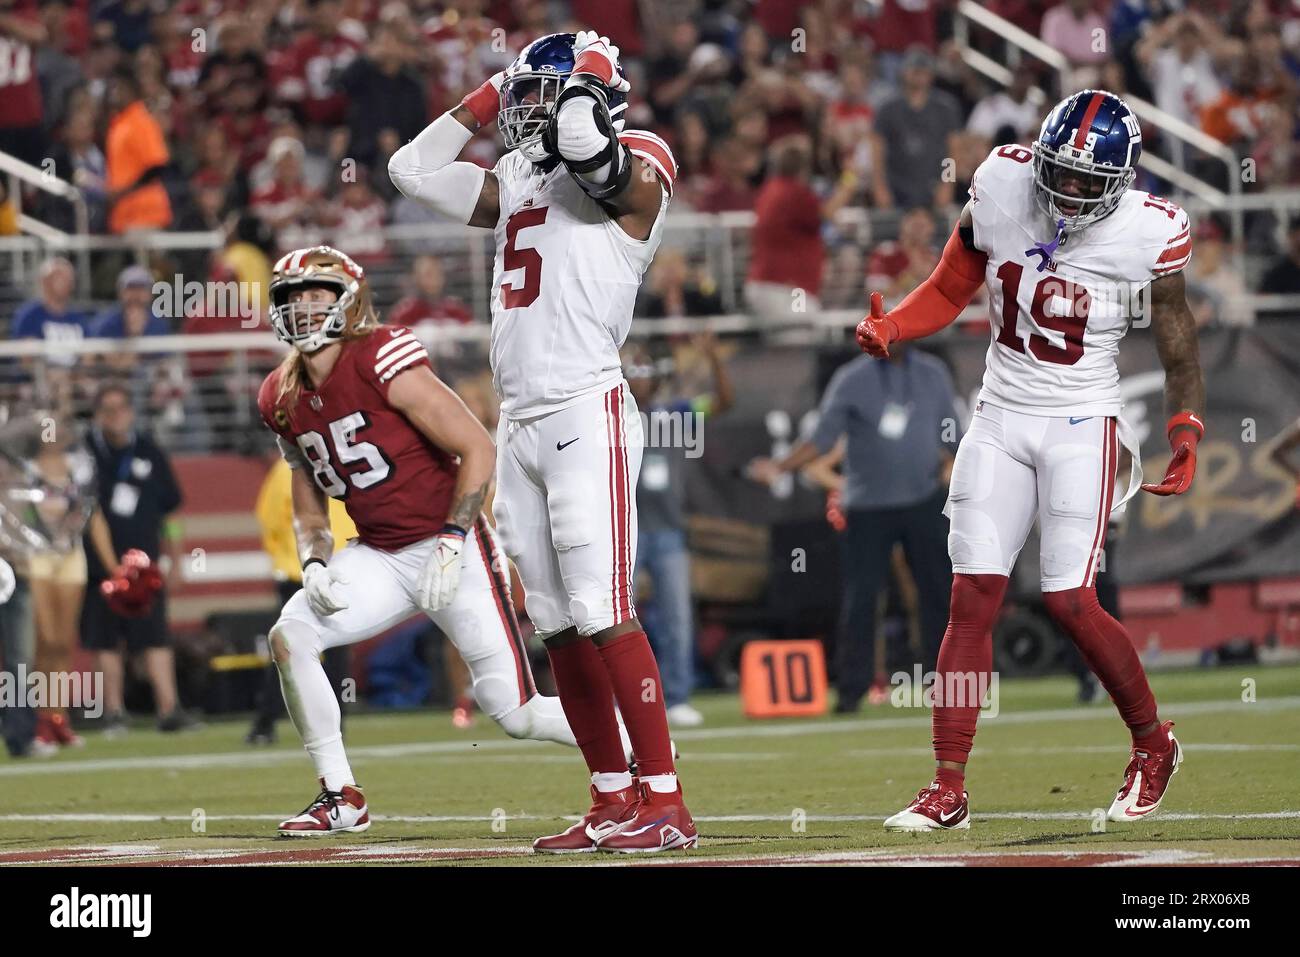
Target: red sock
<point x="967" y="650"/>
<point x="1106" y="647"/>
<point x="588" y="702"/>
<point x="1156" y="741"/>
<point x="950" y="778"/>
<point x="634" y="673"/>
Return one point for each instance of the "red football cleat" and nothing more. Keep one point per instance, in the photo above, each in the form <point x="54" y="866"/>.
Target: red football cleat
<point x="610" y="812"/>
<point x="462" y="715"/>
<point x="333" y="812"/>
<point x="1145" y="780"/>
<point x="936" y="808"/>
<point x="53" y="727"/>
<point x="661" y="823"/>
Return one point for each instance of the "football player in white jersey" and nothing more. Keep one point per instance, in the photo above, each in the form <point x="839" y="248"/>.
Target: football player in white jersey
<point x="1043" y="440"/>
<point x="577" y="206"/>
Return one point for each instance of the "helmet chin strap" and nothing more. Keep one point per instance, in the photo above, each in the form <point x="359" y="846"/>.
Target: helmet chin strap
<point x="1048" y="250"/>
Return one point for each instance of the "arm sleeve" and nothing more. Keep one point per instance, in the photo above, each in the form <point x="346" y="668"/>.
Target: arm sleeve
<point x="290" y="452"/>
<point x="425" y="170"/>
<point x="944" y="293"/>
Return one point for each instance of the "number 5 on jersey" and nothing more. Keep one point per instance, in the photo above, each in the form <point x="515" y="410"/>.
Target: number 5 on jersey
<point x="525" y="292"/>
<point x="342" y="433"/>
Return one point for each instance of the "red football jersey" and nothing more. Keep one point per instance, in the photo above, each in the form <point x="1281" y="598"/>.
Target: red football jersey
<point x="396" y="485"/>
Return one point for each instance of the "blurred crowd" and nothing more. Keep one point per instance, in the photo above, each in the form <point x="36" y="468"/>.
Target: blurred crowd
<point x="272" y="123"/>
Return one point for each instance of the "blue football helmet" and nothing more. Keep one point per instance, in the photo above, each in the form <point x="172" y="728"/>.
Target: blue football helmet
<point x="531" y="87"/>
<point x="1085" y="157"/>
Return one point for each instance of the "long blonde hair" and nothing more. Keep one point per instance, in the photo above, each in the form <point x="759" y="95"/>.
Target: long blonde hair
<point x="293" y="367"/>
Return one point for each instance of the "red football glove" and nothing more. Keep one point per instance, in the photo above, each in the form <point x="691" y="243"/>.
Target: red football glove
<point x="877" y="331"/>
<point x="1185" y="431"/>
<point x="835" y="511"/>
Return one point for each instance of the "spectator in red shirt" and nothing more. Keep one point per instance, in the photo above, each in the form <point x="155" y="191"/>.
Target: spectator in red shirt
<point x="287" y="201"/>
<point x="616" y="19"/>
<point x="896" y="267"/>
<point x="21" y="108"/>
<point x="899" y="26"/>
<point x="357" y="217"/>
<point x="428" y="301"/>
<point x="787" y="255"/>
<point x="850" y="117"/>
<point x="303" y="74"/>
<point x="728" y="188"/>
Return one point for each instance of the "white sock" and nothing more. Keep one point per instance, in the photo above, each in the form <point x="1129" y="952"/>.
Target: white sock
<point x="607" y="781"/>
<point x="661" y="783"/>
<point x="311" y="704"/>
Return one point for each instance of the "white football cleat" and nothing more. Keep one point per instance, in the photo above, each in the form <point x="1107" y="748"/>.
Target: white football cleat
<point x="935" y="808"/>
<point x="333" y="812"/>
<point x="684" y="716"/>
<point x="1146" y="779"/>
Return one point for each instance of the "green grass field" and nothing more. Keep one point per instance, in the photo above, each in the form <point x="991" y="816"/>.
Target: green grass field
<point x="762" y="792"/>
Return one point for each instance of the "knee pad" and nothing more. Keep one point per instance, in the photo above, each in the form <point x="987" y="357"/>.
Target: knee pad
<point x="290" y="638"/>
<point x="517" y="723"/>
<point x="570" y="504"/>
<point x="973" y="540"/>
<point x="498" y="696"/>
<point x="547" y="615"/>
<point x="1065" y="554"/>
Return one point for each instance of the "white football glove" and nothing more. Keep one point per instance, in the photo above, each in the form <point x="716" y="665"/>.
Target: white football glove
<point x="7" y="581"/>
<point x="318" y="582"/>
<point x="601" y="62"/>
<point x="441" y="573"/>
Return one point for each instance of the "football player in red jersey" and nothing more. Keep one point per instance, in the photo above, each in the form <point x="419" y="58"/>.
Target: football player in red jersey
<point x="359" y="416"/>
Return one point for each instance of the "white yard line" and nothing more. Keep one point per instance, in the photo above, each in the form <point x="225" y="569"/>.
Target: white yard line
<point x="102" y="818"/>
<point x="277" y="756"/>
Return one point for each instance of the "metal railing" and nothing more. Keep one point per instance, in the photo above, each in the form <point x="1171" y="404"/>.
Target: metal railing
<point x="1181" y="136"/>
<point x="20" y="172"/>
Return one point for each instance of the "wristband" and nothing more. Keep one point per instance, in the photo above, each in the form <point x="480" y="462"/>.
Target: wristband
<point x="314" y="561"/>
<point x="484" y="103"/>
<point x="450" y="529"/>
<point x="1185" y="420"/>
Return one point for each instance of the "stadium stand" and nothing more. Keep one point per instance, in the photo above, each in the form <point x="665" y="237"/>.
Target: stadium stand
<point x="274" y="123"/>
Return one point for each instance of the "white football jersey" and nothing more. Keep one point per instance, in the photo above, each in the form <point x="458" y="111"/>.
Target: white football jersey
<point x="564" y="282"/>
<point x="1056" y="332"/>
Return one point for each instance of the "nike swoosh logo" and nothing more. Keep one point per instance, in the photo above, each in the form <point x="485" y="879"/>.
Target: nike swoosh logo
<point x="1074" y="421"/>
<point x="648" y="827"/>
<point x="945" y="818"/>
<point x="561" y="446"/>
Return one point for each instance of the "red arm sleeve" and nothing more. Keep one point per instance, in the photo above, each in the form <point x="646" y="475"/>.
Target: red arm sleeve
<point x="944" y="294"/>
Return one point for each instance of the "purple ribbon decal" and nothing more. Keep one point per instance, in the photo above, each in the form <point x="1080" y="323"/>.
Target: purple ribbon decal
<point x="1048" y="250"/>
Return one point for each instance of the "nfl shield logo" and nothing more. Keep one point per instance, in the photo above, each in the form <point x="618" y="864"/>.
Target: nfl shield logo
<point x="315" y="403"/>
